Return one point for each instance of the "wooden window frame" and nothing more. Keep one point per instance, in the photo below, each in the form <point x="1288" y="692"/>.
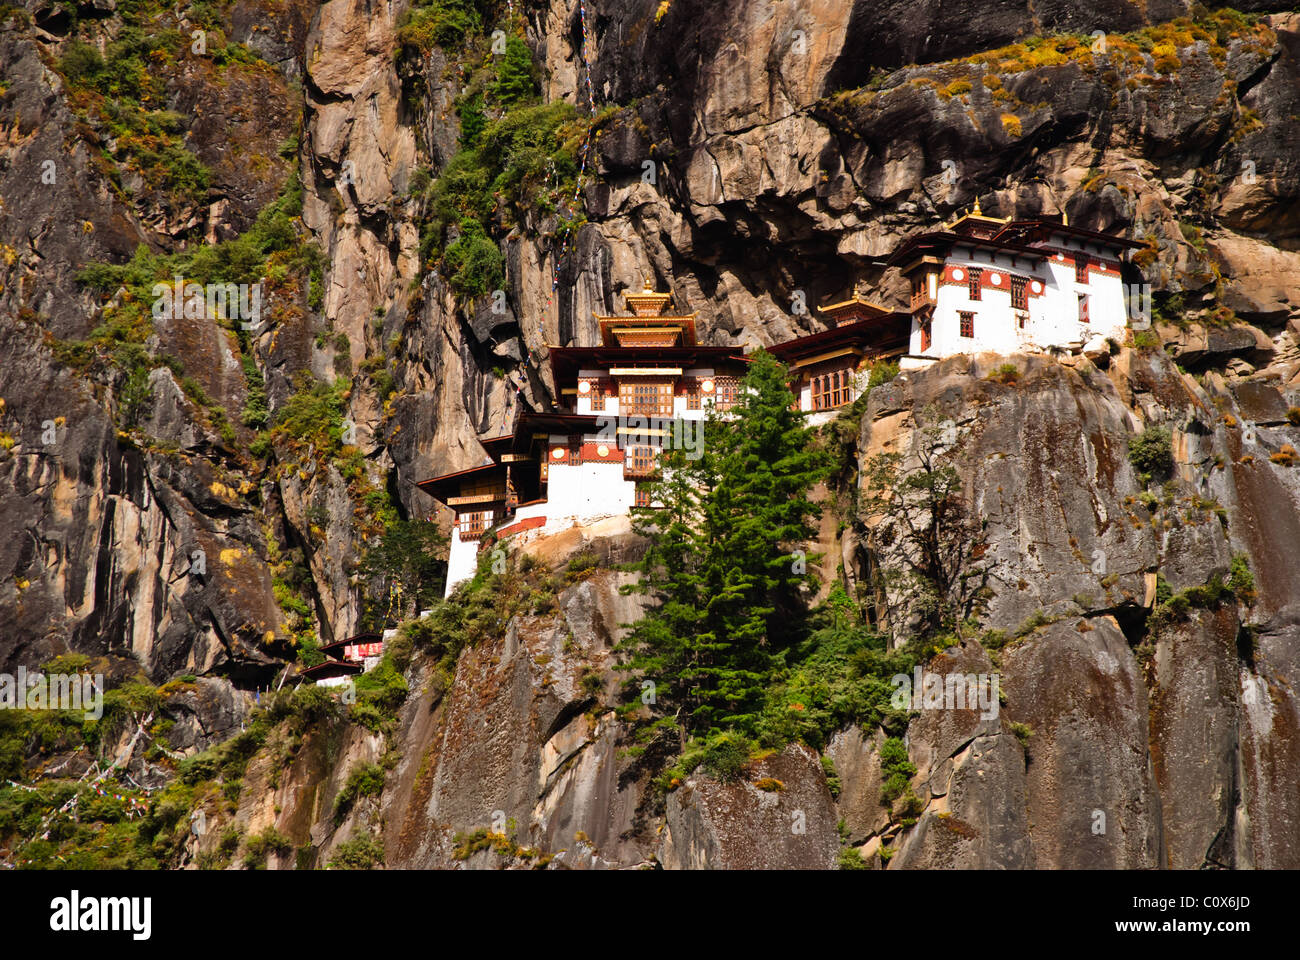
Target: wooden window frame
<point x="1080" y="269"/>
<point x="1019" y="293"/>
<point x="974" y="276"/>
<point x="640" y="460"/>
<point x="634" y="394"/>
<point x="967" y="320"/>
<point x="472" y="525"/>
<point x="726" y="392"/>
<point x="927" y="337"/>
<point x="692" y="390"/>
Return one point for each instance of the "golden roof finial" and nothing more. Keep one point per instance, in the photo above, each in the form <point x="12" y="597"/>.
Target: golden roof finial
<point x="1065" y="219"/>
<point x="649" y="284"/>
<point x="976" y="210"/>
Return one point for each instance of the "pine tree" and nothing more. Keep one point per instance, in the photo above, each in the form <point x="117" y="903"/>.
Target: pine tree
<point x="723" y="565"/>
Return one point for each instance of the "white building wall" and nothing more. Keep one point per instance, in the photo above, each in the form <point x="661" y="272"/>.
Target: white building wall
<point x="588" y="491"/>
<point x="1053" y="314"/>
<point x="462" y="560"/>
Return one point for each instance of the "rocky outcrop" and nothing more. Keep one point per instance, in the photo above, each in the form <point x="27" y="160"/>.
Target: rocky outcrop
<point x="786" y="166"/>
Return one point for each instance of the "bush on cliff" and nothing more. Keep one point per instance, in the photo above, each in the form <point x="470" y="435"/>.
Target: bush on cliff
<point x="1151" y="453"/>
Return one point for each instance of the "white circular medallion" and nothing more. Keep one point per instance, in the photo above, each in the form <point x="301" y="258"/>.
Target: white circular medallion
<point x="706" y="386"/>
<point x="602" y="450"/>
<point x="958" y="273"/>
<point x="1036" y="287"/>
<point x="584" y="387"/>
<point x="557" y="453"/>
<point x="996" y="279"/>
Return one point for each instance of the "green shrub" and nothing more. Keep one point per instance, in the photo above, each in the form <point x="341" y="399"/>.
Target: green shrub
<point x="443" y="23"/>
<point x="896" y="770"/>
<point x="474" y="263"/>
<point x="851" y="859"/>
<point x="882" y="372"/>
<point x="365" y="781"/>
<point x="515" y="81"/>
<point x="725" y="755"/>
<point x="362" y="852"/>
<point x="1151" y="452"/>
<point x="262" y="845"/>
<point x="1241" y="580"/>
<point x="1007" y="373"/>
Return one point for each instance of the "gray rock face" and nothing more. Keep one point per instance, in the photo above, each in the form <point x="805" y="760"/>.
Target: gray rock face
<point x="785" y="820"/>
<point x="780" y="171"/>
<point x="1129" y="762"/>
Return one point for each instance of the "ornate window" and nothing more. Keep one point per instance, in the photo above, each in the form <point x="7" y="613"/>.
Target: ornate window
<point x="598" y="388"/>
<point x="1083" y="308"/>
<point x="967" y="324"/>
<point x="819" y="392"/>
<point x="925" y="335"/>
<point x="726" y="390"/>
<point x="973" y="285"/>
<point x="918" y="289"/>
<point x="473" y="524"/>
<point x="1081" y="269"/>
<point x="642" y="495"/>
<point x="575" y="451"/>
<point x="692" y="390"/>
<point x="832" y="389"/>
<point x="645" y="398"/>
<point x="639" y="461"/>
<point x="1019" y="301"/>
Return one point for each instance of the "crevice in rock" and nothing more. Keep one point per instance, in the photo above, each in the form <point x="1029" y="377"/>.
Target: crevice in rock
<point x="567" y="712"/>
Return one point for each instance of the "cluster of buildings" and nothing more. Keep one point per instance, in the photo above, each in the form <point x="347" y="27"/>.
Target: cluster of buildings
<point x="978" y="284"/>
<point x="344" y="659"/>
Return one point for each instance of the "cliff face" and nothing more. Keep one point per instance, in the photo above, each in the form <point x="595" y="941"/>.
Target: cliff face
<point x="758" y="156"/>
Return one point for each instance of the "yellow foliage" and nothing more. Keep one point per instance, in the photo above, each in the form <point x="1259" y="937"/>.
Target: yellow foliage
<point x="1011" y="124"/>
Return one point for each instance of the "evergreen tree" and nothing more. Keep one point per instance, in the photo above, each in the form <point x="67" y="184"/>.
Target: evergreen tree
<point x="722" y="562"/>
<point x="404" y="572"/>
<point x="514" y="81"/>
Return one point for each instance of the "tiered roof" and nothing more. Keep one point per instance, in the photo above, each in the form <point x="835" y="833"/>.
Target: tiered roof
<point x="1024" y="238"/>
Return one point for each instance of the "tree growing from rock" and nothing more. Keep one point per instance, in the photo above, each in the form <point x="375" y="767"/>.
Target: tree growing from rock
<point x="723" y="565"/>
<point x="926" y="545"/>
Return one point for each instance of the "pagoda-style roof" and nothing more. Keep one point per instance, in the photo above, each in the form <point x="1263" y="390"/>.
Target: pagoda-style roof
<point x="854" y="308"/>
<point x="566" y="362"/>
<point x="1020" y="237"/>
<point x="650" y="325"/>
<point x="1039" y="230"/>
<point x="507" y="449"/>
<point x="875" y="334"/>
<point x="338" y="645"/>
<point x="649" y="302"/>
<point x="975" y="223"/>
<point x="937" y="244"/>
<point x="660" y="331"/>
<point x="331" y="669"/>
<point x="447" y="485"/>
